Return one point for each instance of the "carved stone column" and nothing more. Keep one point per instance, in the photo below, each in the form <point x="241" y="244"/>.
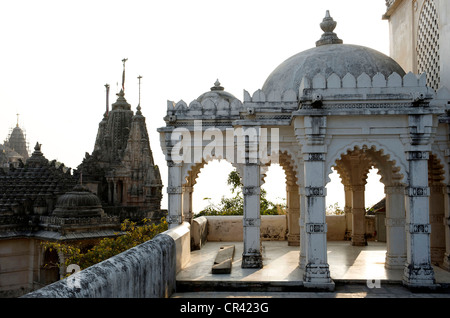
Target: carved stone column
<point x="348" y="213"/>
<point x="251" y="257"/>
<point x="446" y="263"/>
<point x="317" y="272"/>
<point x="418" y="271"/>
<point x="395" y="227"/>
<point x="187" y="203"/>
<point x="359" y="216"/>
<point x="302" y="258"/>
<point x="293" y="208"/>
<point x="437" y="235"/>
<point x="174" y="191"/>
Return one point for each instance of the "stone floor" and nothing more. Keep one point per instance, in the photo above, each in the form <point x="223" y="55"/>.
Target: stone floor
<point x="356" y="271"/>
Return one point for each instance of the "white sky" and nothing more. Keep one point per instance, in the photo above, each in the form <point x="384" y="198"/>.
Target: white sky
<point x="57" y="56"/>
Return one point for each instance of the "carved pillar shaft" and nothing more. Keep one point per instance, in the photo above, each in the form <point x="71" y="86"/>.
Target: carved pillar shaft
<point x="359" y="216"/>
<point x="395" y="227"/>
<point x="187" y="203"/>
<point x="251" y="257"/>
<point x="446" y="263"/>
<point x="437" y="235"/>
<point x="302" y="260"/>
<point x="348" y="212"/>
<point x="418" y="270"/>
<point x="293" y="207"/>
<point x="174" y="192"/>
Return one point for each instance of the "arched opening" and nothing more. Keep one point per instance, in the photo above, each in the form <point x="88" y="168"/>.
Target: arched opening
<point x="49" y="271"/>
<point x="275" y="185"/>
<point x="374" y="204"/>
<point x="210" y="185"/>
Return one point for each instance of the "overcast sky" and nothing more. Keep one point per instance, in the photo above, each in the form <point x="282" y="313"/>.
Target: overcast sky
<point x="57" y="56"/>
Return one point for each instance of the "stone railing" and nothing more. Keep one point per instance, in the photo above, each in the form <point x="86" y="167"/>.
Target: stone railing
<point x="145" y="271"/>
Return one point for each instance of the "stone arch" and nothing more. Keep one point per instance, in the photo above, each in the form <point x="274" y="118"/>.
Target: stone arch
<point x="353" y="163"/>
<point x="391" y="164"/>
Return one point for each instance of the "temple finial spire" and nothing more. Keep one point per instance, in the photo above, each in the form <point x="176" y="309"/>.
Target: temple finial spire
<point x="107" y="99"/>
<point x="17" y="125"/>
<point x="217" y="86"/>
<point x="123" y="74"/>
<point x="329" y="37"/>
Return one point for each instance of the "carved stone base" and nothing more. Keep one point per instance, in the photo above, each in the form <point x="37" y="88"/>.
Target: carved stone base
<point x="446" y="262"/>
<point x="252" y="261"/>
<point x="419" y="276"/>
<point x="359" y="240"/>
<point x="293" y="239"/>
<point x="319" y="273"/>
<point x="395" y="262"/>
<point x="437" y="254"/>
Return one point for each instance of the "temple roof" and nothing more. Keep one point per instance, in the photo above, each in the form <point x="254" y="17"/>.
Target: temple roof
<point x="38" y="179"/>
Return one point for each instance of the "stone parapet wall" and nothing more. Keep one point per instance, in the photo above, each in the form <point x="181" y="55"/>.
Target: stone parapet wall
<point x="145" y="271"/>
<point x="273" y="228"/>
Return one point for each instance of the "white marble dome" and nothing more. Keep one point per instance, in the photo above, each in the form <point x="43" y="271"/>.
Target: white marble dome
<point x="328" y="57"/>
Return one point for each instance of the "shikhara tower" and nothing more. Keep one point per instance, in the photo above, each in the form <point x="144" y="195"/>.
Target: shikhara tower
<point x="121" y="170"/>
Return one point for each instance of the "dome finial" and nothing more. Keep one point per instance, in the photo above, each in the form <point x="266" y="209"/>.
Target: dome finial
<point x="217" y="86"/>
<point x="329" y="37"/>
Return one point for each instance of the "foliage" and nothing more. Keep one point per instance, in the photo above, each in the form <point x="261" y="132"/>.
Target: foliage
<point x="133" y="235"/>
<point x="235" y="205"/>
<point x="334" y="210"/>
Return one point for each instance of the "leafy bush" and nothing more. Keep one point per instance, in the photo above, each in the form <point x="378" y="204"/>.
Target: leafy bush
<point x="132" y="235"/>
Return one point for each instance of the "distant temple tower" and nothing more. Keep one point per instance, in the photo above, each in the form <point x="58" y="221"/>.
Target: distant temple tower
<point x="15" y="147"/>
<point x="121" y="170"/>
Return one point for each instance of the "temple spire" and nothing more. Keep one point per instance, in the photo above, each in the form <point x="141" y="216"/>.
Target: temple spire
<point x="17" y="125"/>
<point x="139" y="104"/>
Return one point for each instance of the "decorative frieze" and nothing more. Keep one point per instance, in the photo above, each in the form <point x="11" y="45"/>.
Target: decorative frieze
<point x="251" y="190"/>
<point x="174" y="219"/>
<point x="256" y="222"/>
<point x="315" y="191"/>
<point x="418" y="155"/>
<point x="395" y="222"/>
<point x="316" y="227"/>
<point x="187" y="189"/>
<point x="316" y="156"/>
<point x="419" y="228"/>
<point x="418" y="191"/>
<point x="175" y="190"/>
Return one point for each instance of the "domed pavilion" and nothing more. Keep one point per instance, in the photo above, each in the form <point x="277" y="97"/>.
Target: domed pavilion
<point x="334" y="106"/>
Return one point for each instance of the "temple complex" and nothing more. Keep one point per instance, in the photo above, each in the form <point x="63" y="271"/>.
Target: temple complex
<point x="42" y="200"/>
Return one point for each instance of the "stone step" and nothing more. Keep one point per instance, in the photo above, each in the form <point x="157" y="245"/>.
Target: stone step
<point x="223" y="260"/>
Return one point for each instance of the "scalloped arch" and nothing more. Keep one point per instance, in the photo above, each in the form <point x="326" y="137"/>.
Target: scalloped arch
<point x="380" y="154"/>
